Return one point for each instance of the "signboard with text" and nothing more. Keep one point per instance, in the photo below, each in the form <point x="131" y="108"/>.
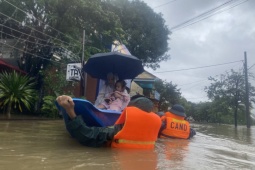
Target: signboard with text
<point x="73" y="72"/>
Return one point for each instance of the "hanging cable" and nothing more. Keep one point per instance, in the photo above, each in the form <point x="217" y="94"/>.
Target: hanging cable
<point x="30" y="53"/>
<point x="54" y="38"/>
<point x="208" y="14"/>
<point x="199" y="67"/>
<point x="40" y="20"/>
<point x="251" y="66"/>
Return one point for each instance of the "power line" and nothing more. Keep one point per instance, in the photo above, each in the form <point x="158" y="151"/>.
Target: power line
<point x="207" y="14"/>
<point x="29" y="35"/>
<point x="30" y="53"/>
<point x="40" y="20"/>
<point x="23" y="39"/>
<point x="54" y="38"/>
<point x="36" y="43"/>
<point x="199" y="67"/>
<point x="164" y="4"/>
<point x="251" y="66"/>
<point x="203" y="14"/>
<point x="205" y="79"/>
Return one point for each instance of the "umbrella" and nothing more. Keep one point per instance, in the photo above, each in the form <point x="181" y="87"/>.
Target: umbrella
<point x="125" y="66"/>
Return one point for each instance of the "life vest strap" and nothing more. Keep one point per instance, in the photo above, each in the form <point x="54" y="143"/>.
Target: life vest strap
<point x="134" y="142"/>
<point x="179" y="121"/>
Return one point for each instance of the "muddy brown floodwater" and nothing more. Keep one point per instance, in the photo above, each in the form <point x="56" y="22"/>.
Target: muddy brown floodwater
<point x="40" y="145"/>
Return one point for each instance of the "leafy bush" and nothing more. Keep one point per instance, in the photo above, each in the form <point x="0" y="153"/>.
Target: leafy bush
<point x="49" y="108"/>
<point x="16" y="92"/>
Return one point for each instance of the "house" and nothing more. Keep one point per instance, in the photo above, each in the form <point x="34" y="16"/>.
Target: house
<point x="146" y="82"/>
<point x="9" y="55"/>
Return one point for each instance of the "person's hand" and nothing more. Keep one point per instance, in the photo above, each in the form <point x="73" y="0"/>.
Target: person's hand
<point x="118" y="95"/>
<point x="67" y="103"/>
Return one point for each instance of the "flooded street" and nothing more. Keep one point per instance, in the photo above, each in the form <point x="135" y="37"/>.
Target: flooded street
<point x="39" y="145"/>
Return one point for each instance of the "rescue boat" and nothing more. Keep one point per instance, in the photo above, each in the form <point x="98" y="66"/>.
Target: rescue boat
<point x="91" y="115"/>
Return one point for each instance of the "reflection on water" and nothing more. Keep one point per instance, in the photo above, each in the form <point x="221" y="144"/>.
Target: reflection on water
<point x="46" y="145"/>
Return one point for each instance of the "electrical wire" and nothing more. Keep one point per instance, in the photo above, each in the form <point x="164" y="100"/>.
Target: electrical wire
<point x="251" y="66"/>
<point x="194" y="20"/>
<point x="30" y="53"/>
<point x="199" y="67"/>
<point x="36" y="43"/>
<point x="204" y="14"/>
<point x="54" y="38"/>
<point x="40" y="20"/>
<point x="164" y="4"/>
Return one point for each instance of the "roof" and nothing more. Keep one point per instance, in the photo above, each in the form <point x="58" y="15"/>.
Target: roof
<point x="8" y="67"/>
<point x="146" y="74"/>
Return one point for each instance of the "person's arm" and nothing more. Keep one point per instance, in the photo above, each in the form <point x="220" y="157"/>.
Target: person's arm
<point x="125" y="98"/>
<point x="163" y="125"/>
<point x="90" y="136"/>
<point x="192" y="133"/>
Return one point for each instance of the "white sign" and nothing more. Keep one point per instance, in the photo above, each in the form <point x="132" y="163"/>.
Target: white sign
<point x="73" y="72"/>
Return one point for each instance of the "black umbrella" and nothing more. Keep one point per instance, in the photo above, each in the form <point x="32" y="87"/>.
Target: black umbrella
<point x="125" y="66"/>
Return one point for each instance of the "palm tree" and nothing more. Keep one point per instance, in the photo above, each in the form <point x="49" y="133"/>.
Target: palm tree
<point x="16" y="91"/>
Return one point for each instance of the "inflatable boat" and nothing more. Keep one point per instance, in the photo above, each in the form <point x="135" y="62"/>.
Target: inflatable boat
<point x="91" y="115"/>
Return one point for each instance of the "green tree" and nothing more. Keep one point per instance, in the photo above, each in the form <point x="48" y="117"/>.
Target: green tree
<point x="227" y="93"/>
<point x="190" y="108"/>
<point x="44" y="25"/>
<point x="49" y="108"/>
<point x="16" y="91"/>
<point x="169" y="94"/>
<point x="146" y="34"/>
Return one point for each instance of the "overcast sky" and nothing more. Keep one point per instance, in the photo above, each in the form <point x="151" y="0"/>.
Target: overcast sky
<point x="221" y="38"/>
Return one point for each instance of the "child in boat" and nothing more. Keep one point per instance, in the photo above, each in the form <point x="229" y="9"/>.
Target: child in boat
<point x="117" y="100"/>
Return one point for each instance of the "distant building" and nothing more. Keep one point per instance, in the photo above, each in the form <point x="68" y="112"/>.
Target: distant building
<point x="144" y="84"/>
<point x="10" y="54"/>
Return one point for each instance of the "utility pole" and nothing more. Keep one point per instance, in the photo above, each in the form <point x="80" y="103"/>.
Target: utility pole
<point x="247" y="103"/>
<point x="82" y="82"/>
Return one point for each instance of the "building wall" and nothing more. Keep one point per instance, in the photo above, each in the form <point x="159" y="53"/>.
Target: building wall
<point x="135" y="89"/>
<point x="91" y="87"/>
<point x="149" y="92"/>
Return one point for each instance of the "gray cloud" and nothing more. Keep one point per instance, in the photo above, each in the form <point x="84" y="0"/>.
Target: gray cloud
<point x="221" y="38"/>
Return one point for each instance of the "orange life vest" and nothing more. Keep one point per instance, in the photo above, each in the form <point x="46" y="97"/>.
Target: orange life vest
<point x="176" y="126"/>
<point x="140" y="129"/>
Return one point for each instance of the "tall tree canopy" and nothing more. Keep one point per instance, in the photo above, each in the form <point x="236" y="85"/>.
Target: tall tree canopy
<point x="61" y="23"/>
<point x="145" y="31"/>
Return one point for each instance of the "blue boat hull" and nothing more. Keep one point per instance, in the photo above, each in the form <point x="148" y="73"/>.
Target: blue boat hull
<point x="91" y="115"/>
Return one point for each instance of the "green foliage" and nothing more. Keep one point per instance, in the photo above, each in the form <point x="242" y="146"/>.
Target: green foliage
<point x="16" y="91"/>
<point x="169" y="94"/>
<point x="132" y="22"/>
<point x="60" y="24"/>
<point x="227" y="94"/>
<point x="49" y="108"/>
<point x="146" y="34"/>
<point x="54" y="78"/>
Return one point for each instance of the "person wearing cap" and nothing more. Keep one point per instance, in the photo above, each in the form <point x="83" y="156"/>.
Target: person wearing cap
<point x="174" y="125"/>
<point x="137" y="126"/>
